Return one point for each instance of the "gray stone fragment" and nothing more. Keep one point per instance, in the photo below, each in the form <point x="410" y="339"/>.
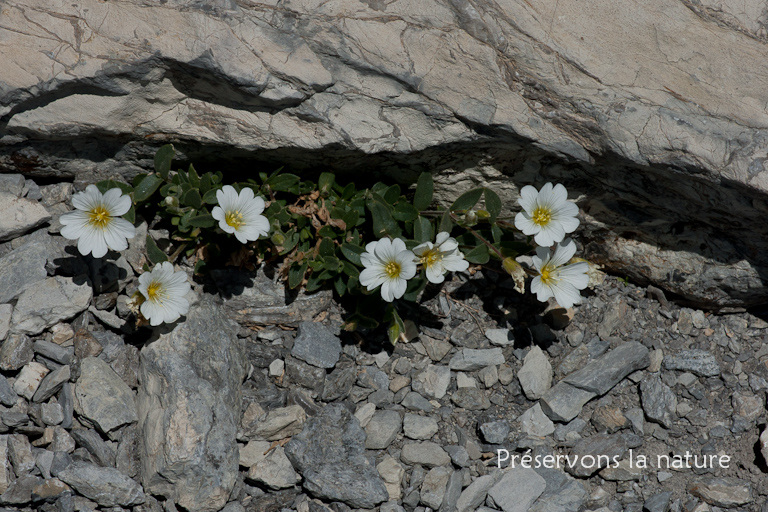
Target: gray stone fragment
<point x="20" y="491"/>
<point x="67" y="400"/>
<point x="8" y="396"/>
<point x="415" y="402"/>
<point x="696" y="361"/>
<point x="426" y="454"/>
<point x="29" y="378"/>
<point x="659" y="502"/>
<point x="469" y="359"/>
<point x="273" y="469"/>
<point x="517" y="489"/>
<point x="316" y="345"/>
<point x="20" y="454"/>
<point x="51" y="384"/>
<point x="189" y="408"/>
<point x="6" y="470"/>
<point x="62" y="441"/>
<point x="596" y="452"/>
<point x="495" y="432"/>
<point x="338" y="383"/>
<point x="382" y="429"/>
<point x="392" y="473"/>
<point x="102" y="453"/>
<point x="722" y="492"/>
<point x="434" y="486"/>
<point x="279" y="424"/>
<point x="601" y="375"/>
<point x="419" y="427"/>
<point x="536" y="374"/>
<point x="102" y="397"/>
<point x="48" y="302"/>
<point x="535" y="423"/>
<point x="15" y="352"/>
<point x="500" y="337"/>
<point x="659" y="401"/>
<point x="432" y="382"/>
<point x="436" y="349"/>
<point x="563" y="493"/>
<point x="576" y="425"/>
<point x="19" y="215"/>
<point x="563" y="402"/>
<point x="62" y="355"/>
<point x="127" y="456"/>
<point x="106" y="486"/>
<point x="476" y="492"/>
<point x="472" y="399"/>
<point x="329" y="454"/>
<point x="51" y="413"/>
<point x="459" y="455"/>
<point x="6" y="312"/>
<point x="60" y="462"/>
<point x="43" y="461"/>
<point x="452" y="492"/>
<point x="12" y="184"/>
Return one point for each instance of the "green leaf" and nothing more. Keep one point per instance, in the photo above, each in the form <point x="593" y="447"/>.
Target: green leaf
<point x="325" y="183"/>
<point x="205" y="183"/>
<point x="396" y="327"/>
<point x="348" y="191"/>
<point x="154" y="253"/>
<point x="105" y="185"/>
<point x="326" y="247"/>
<point x="492" y="204"/>
<point x="130" y="215"/>
<point x="284" y="183"/>
<point x="383" y="223"/>
<point x="392" y="194"/>
<point x="414" y="288"/>
<point x="193" y="199"/>
<point x="210" y="197"/>
<point x="405" y="212"/>
<point x="424" y="191"/>
<point x="327" y="232"/>
<point x="291" y="239"/>
<point x="340" y="286"/>
<point x="146" y="187"/>
<point x="163" y="159"/>
<point x="446" y="224"/>
<point x="497" y="233"/>
<point x="332" y="263"/>
<point x="422" y="230"/>
<point x="350" y="270"/>
<point x="352" y="253"/>
<point x="313" y="283"/>
<point x="296" y="274"/>
<point x="205" y="220"/>
<point x="479" y="255"/>
<point x="194" y="179"/>
<point x="467" y="200"/>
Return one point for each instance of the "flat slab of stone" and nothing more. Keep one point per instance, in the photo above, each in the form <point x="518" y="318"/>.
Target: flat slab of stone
<point x="19" y="215"/>
<point x="102" y="397"/>
<point x="316" y="345"/>
<point x="722" y="492"/>
<point x="22" y="268"/>
<point x="471" y="359"/>
<point x="563" y="402"/>
<point x="48" y="302"/>
<point x="697" y="361"/>
<point x="106" y="486"/>
<point x="427" y="454"/>
<point x="536" y="374"/>
<point x="602" y="374"/>
<point x="189" y="409"/>
<point x="517" y="489"/>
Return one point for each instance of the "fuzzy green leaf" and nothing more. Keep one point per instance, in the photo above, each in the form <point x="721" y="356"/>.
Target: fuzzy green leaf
<point x="479" y="255"/>
<point x="424" y="191"/>
<point x="467" y="200"/>
<point x="163" y="159"/>
<point x="296" y="274"/>
<point x="492" y="204"/>
<point x="105" y="185"/>
<point x="154" y="253"/>
<point x="194" y="179"/>
<point x="404" y="212"/>
<point x="205" y="220"/>
<point x="146" y="187"/>
<point x="352" y="253"/>
<point x="446" y="224"/>
<point x="383" y="223"/>
<point x="210" y="197"/>
<point x="192" y="198"/>
<point x="422" y="230"/>
<point x="130" y="215"/>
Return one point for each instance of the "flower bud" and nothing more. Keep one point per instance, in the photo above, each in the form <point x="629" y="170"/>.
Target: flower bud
<point x="514" y="269"/>
<point x="278" y="238"/>
<point x="470" y="218"/>
<point x="171" y="201"/>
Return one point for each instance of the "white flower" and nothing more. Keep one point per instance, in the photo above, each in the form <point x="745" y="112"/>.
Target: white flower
<point x="444" y="256"/>
<point x="241" y="214"/>
<point x="548" y="215"/>
<point x="556" y="279"/>
<point x="95" y="223"/>
<point x="164" y="291"/>
<point x="389" y="264"/>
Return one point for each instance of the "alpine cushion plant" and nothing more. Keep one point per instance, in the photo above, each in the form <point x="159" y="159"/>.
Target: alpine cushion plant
<point x="96" y="222"/>
<point x="547" y="214"/>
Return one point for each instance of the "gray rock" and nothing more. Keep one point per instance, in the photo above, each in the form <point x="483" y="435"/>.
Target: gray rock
<point x="316" y="345"/>
<point x="15" y="352"/>
<point x="596" y="452"/>
<point x="476" y="492"/>
<point x="51" y="384"/>
<point x="434" y="486"/>
<point x="601" y="375"/>
<point x="722" y="492"/>
<point x="535" y="423"/>
<point x="19" y="215"/>
<point x="62" y="355"/>
<point x="696" y="361"/>
<point x="273" y="469"/>
<point x="6" y="470"/>
<point x="60" y="462"/>
<point x="279" y="424"/>
<point x="103" y="454"/>
<point x="29" y="379"/>
<point x="102" y="397"/>
<point x="426" y="454"/>
<point x="500" y="337"/>
<point x="12" y="184"/>
<point x="62" y="441"/>
<point x="659" y="401"/>
<point x="382" y="429"/>
<point x="576" y="425"/>
<point x="338" y="384"/>
<point x="329" y="454"/>
<point x="415" y="402"/>
<point x="188" y="449"/>
<point x="20" y="491"/>
<point x="127" y="455"/>
<point x="517" y="490"/>
<point x="6" y="312"/>
<point x="469" y="359"/>
<point x="256" y="299"/>
<point x="43" y="461"/>
<point x="452" y="492"/>
<point x="23" y="267"/>
<point x="299" y="373"/>
<point x="563" y="402"/>
<point x="536" y="374"/>
<point x="20" y="454"/>
<point x="48" y="302"/>
<point x="433" y="381"/>
<point x="51" y="413"/>
<point x="436" y="349"/>
<point x="472" y="399"/>
<point x="8" y="396"/>
<point x="392" y="473"/>
<point x="106" y="486"/>
<point x="495" y="432"/>
<point x="563" y="493"/>
<point x="419" y="427"/>
<point x="659" y="502"/>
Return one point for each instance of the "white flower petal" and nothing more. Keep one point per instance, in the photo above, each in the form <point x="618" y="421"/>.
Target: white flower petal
<point x="576" y="275"/>
<point x="420" y="249"/>
<point x="442" y="237"/>
<point x="527" y="201"/>
<point x="217" y="213"/>
<point x="398" y="246"/>
<point x="387" y="290"/>
<point x="559" y="194"/>
<point x="371" y="278"/>
<point x="524" y="223"/>
<point x="398" y="287"/>
<point x="566" y="295"/>
<point x="455" y="263"/>
<point x="435" y="274"/>
<point x="564" y="252"/>
<point x="384" y="251"/>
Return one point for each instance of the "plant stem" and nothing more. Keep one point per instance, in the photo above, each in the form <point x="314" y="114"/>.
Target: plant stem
<point x="477" y="235"/>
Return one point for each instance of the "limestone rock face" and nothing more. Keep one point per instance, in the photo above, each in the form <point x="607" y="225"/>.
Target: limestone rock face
<point x="189" y="409"/>
<point x="658" y="131"/>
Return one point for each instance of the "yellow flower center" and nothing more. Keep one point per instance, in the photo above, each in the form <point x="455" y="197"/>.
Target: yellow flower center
<point x="234" y="218"/>
<point x="155" y="291"/>
<point x="541" y="216"/>
<point x="99" y="217"/>
<point x="548" y="275"/>
<point x="431" y="257"/>
<point x="392" y="269"/>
